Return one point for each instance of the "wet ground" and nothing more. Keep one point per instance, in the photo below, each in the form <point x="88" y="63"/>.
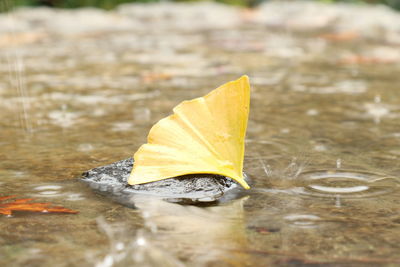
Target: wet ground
<point x="81" y="89"/>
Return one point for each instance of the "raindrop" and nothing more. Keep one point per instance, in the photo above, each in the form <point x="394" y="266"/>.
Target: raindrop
<point x="320" y="148"/>
<point x="19" y="174"/>
<point x="141" y="241"/>
<point x="122" y="126"/>
<point x="285" y="130"/>
<point x="338" y="163"/>
<point x="266" y="168"/>
<point x="119" y="246"/>
<point x="85" y="147"/>
<point x="377" y="110"/>
<point x="312" y="112"/>
<point x="141" y="114"/>
<point x="63" y="118"/>
<point x="108" y="262"/>
<point x="338" y="203"/>
<point x="75" y="197"/>
<point x="47" y="187"/>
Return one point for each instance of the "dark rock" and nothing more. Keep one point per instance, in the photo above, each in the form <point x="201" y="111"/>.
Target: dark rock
<point x="111" y="180"/>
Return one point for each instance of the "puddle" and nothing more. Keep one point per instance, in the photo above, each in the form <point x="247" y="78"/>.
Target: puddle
<point x="322" y="146"/>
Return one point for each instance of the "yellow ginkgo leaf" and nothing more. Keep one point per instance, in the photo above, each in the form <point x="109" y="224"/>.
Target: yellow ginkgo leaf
<point x="204" y="135"/>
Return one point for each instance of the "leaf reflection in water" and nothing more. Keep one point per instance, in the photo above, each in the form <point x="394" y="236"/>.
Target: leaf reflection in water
<point x="199" y="235"/>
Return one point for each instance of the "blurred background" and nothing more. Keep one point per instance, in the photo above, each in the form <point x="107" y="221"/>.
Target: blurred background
<point x="108" y="4"/>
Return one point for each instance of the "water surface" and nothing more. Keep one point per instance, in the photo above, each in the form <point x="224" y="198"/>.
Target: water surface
<point x="322" y="148"/>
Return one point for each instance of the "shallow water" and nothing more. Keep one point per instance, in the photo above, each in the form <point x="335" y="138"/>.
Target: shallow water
<point x="322" y="147"/>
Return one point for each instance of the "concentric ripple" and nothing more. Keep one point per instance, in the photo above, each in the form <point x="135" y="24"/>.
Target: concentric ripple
<point x="53" y="190"/>
<point x="347" y="184"/>
<point x="302" y="220"/>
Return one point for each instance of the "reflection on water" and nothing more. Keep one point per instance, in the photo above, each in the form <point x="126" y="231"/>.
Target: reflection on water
<point x="201" y="236"/>
<point x="322" y="148"/>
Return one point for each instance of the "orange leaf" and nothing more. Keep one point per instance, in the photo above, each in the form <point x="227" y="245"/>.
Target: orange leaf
<point x="4" y="198"/>
<point x="24" y="204"/>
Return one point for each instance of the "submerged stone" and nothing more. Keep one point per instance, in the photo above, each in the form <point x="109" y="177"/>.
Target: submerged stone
<point x="111" y="180"/>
